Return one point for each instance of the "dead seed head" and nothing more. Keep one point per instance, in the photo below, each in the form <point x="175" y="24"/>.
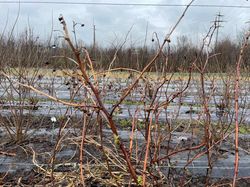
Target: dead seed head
<point x="61" y="19"/>
<point x="168" y="40"/>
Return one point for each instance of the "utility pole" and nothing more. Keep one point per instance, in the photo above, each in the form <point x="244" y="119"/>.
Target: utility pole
<point x="94" y="40"/>
<point x="217" y="22"/>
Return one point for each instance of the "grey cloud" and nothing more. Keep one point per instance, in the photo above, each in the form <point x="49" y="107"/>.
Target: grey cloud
<point x="116" y="21"/>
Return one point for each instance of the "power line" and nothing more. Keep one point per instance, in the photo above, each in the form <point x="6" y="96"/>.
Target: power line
<point x="123" y="4"/>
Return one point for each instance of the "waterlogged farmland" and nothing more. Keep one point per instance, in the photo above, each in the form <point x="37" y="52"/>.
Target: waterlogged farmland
<point x="166" y="113"/>
<point x="177" y="124"/>
<point x="187" y="106"/>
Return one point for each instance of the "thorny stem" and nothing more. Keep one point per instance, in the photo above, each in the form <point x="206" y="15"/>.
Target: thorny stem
<point x="205" y="98"/>
<point x="99" y="101"/>
<point x="151" y="107"/>
<point x="146" y="154"/>
<point x="96" y="93"/>
<point x="146" y="68"/>
<point x="100" y="106"/>
<point x="236" y="107"/>
<point x="82" y="147"/>
<point x="49" y="96"/>
<point x="99" y="121"/>
<point x="205" y="152"/>
<point x="56" y="147"/>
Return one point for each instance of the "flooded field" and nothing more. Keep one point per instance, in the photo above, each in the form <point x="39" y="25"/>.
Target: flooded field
<point x="187" y="105"/>
<point x="51" y="131"/>
<point x="124" y="94"/>
<point x="41" y="142"/>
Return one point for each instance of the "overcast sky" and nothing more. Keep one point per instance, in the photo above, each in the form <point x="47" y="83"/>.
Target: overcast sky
<point x="113" y="22"/>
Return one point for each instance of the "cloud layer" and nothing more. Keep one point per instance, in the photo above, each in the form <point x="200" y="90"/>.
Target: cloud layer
<point x="113" y="22"/>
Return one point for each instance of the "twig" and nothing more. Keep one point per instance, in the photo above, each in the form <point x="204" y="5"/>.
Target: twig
<point x="151" y="62"/>
<point x="7" y="154"/>
<point x="236" y="107"/>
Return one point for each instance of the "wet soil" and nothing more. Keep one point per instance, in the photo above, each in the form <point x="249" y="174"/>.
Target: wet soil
<point x="29" y="161"/>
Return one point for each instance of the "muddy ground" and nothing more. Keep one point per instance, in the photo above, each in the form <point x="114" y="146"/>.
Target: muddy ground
<point x="29" y="162"/>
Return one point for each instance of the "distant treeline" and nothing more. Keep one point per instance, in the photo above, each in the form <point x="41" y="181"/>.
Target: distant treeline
<point x="30" y="52"/>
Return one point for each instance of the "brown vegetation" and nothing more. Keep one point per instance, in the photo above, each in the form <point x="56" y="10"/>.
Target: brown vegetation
<point x="103" y="156"/>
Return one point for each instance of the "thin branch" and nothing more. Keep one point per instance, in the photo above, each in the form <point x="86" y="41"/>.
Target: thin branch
<point x="236" y="107"/>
